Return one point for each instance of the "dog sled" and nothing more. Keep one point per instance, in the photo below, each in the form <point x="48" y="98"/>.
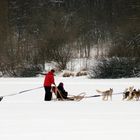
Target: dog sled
<point x="77" y="98"/>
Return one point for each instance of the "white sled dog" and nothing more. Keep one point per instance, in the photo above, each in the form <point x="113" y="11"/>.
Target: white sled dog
<point x="127" y="94"/>
<point x="106" y="94"/>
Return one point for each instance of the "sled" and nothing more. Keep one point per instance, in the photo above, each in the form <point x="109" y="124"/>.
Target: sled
<point x="78" y="97"/>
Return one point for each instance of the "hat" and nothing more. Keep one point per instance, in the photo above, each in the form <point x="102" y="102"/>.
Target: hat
<point x="52" y="70"/>
<point x="61" y="84"/>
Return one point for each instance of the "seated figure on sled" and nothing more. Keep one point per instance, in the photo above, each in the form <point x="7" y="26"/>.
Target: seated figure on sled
<point x="60" y="92"/>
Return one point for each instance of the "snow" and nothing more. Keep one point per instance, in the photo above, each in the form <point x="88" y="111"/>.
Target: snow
<point x="27" y="116"/>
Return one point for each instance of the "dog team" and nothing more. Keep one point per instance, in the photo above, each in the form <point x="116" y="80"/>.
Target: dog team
<point x="129" y="94"/>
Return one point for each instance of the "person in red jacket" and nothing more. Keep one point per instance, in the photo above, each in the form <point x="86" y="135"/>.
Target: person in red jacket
<point x="48" y="81"/>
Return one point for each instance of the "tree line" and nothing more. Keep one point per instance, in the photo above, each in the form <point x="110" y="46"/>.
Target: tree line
<point x="33" y="32"/>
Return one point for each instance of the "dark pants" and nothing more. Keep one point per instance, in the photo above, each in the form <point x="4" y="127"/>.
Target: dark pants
<point x="48" y="94"/>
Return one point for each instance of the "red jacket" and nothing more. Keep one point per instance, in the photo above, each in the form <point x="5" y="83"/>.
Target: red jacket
<point x="49" y="79"/>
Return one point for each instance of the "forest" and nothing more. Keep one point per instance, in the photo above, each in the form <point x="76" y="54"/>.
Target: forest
<point x="34" y="32"/>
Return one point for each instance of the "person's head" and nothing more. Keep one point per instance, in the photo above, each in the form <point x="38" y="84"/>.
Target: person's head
<point x="61" y="84"/>
<point x="52" y="70"/>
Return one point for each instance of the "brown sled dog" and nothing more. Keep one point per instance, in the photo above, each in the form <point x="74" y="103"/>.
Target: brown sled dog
<point x="106" y="94"/>
<point x="135" y="94"/>
<point x="131" y="94"/>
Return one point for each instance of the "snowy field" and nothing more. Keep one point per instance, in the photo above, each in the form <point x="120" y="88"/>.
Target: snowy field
<point x="27" y="117"/>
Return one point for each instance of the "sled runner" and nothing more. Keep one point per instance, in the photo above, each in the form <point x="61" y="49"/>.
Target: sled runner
<point x="78" y="97"/>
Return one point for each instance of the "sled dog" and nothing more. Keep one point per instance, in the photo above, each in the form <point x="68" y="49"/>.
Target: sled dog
<point x="135" y="95"/>
<point x="131" y="94"/>
<point x="106" y="94"/>
<point x="127" y="93"/>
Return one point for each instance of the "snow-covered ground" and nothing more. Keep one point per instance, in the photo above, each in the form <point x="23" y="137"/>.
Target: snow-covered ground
<point x="27" y="116"/>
